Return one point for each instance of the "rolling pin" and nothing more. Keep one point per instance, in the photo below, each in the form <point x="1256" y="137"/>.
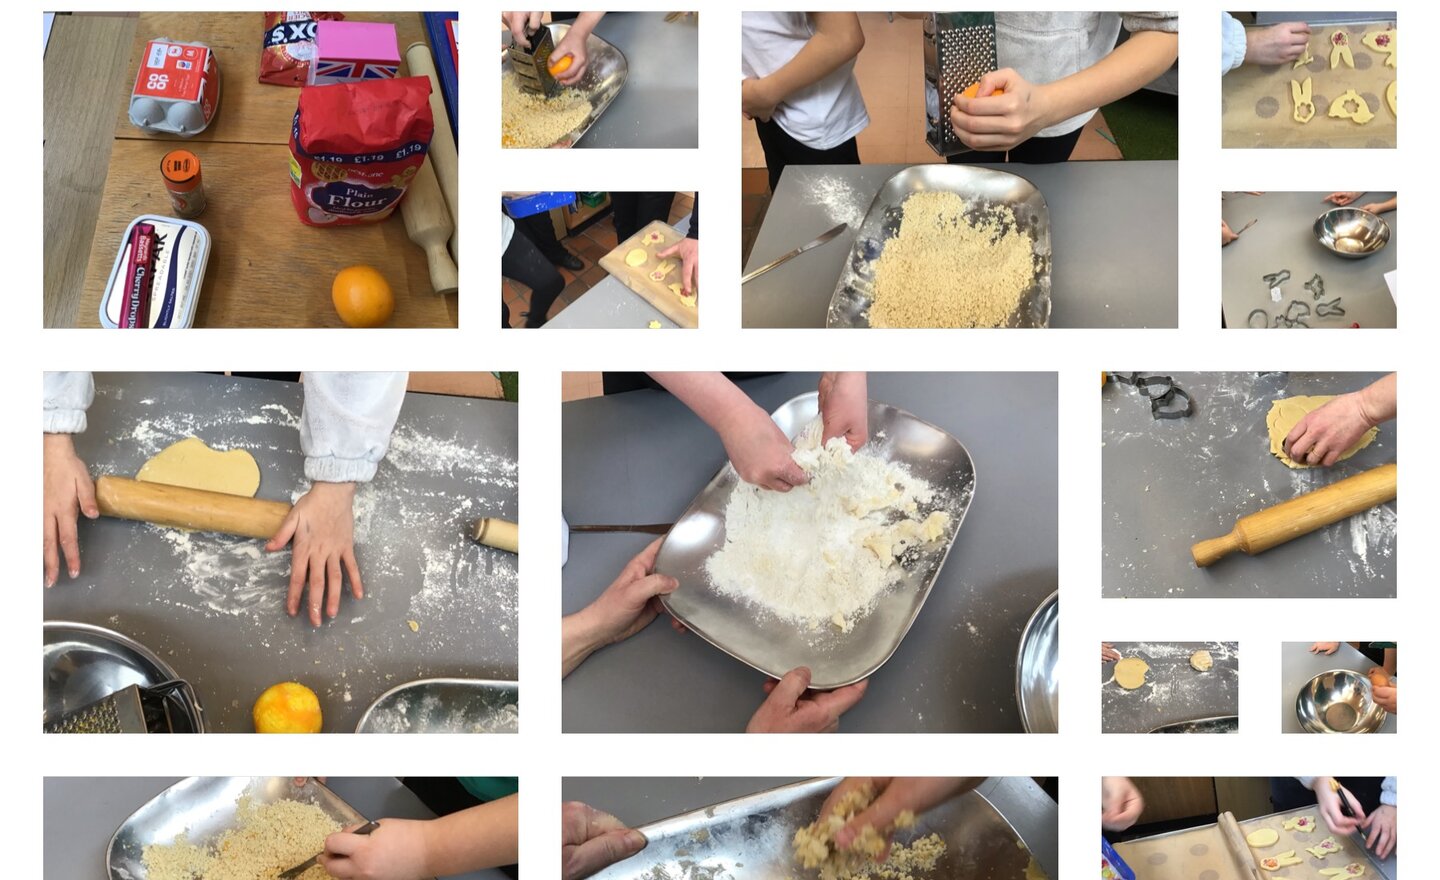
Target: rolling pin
<point x="428" y="223"/>
<point x="498" y="533"/>
<point x="442" y="144"/>
<point x="185" y="508"/>
<point x="1236" y="843"/>
<point x="1258" y="532"/>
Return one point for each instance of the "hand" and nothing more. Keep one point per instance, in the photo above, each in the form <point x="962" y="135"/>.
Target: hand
<point x="1374" y="208"/>
<point x="1120" y="803"/>
<point x="1108" y="652"/>
<point x="845" y="408"/>
<point x="1277" y="44"/>
<point x="521" y="24"/>
<point x="1227" y="234"/>
<point x="760" y="451"/>
<point x="1329" y="804"/>
<point x="1380" y="830"/>
<point x="999" y="122"/>
<point x="756" y="102"/>
<point x="689" y="251"/>
<point x="397" y="850"/>
<point x="573" y="45"/>
<point x="1342" y="198"/>
<point x="1326" y="648"/>
<point x="627" y="606"/>
<point x="791" y="708"/>
<point x="893" y="795"/>
<point x="1385" y="698"/>
<point x="322" y="524"/>
<point x="1325" y="433"/>
<point x="591" y="840"/>
<point x="68" y="489"/>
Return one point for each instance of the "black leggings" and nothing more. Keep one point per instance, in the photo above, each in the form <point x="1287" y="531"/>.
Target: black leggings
<point x="781" y="149"/>
<point x="1036" y="151"/>
<point x="634" y="210"/>
<point x="523" y="262"/>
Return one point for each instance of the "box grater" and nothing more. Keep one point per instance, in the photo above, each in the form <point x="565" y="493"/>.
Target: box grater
<point x="959" y="50"/>
<point x="533" y="67"/>
<point x="130" y="710"/>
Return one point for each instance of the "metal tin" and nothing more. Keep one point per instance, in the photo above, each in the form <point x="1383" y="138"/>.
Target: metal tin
<point x="445" y="705"/>
<point x="1037" y="682"/>
<point x="180" y="169"/>
<point x="83" y="662"/>
<point x="1338" y="701"/>
<point x="603" y="79"/>
<point x="182" y="252"/>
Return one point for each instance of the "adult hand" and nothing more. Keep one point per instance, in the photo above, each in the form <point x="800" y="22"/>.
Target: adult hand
<point x="991" y="121"/>
<point x="322" y="526"/>
<point x="1120" y="803"/>
<point x="1380" y="830"/>
<point x="893" y="795"/>
<point x="689" y="251"/>
<point x="1227" y="234"/>
<point x="1108" y="652"/>
<point x="522" y="24"/>
<point x="756" y="102"/>
<point x="791" y="708"/>
<point x="1343" y="198"/>
<point x="1329" y="804"/>
<point x="1325" y="433"/>
<point x="68" y="491"/>
<point x="397" y="850"/>
<point x="627" y="606"/>
<point x="1326" y="648"/>
<point x="592" y="840"/>
<point x="759" y="450"/>
<point x="573" y="44"/>
<point x="845" y="408"/>
<point x="1278" y="44"/>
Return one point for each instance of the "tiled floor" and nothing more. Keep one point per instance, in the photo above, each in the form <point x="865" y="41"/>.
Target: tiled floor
<point x="597" y="240"/>
<point x="578" y="386"/>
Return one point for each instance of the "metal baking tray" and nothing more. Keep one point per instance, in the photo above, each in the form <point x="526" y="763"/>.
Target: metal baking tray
<point x="603" y="79"/>
<point x="980" y="187"/>
<point x="83" y="663"/>
<point x="1037" y="676"/>
<point x="774" y="646"/>
<point x="1215" y="724"/>
<point x="203" y="808"/>
<point x="749" y="838"/>
<point x="445" y="705"/>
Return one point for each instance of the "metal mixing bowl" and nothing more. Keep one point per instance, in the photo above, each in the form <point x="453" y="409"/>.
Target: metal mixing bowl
<point x="1351" y="233"/>
<point x="1338" y="701"/>
<point x="1037" y="680"/>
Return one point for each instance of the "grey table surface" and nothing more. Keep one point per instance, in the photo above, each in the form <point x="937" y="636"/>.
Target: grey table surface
<point x="1168" y="483"/>
<point x="641" y="457"/>
<point x="213" y="606"/>
<point x="1173" y="690"/>
<point x="660" y="103"/>
<point x="82" y="812"/>
<point x="610" y="305"/>
<point x="638" y="801"/>
<point x="1284" y="239"/>
<point x="1298" y="666"/>
<point x="1122" y="272"/>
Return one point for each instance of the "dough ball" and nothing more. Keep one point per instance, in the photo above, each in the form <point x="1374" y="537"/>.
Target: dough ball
<point x="1130" y="672"/>
<point x="1201" y="661"/>
<point x="1262" y="837"/>
<point x="636" y="257"/>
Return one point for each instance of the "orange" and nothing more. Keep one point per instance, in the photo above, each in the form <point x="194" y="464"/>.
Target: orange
<point x="562" y="65"/>
<point x="362" y="296"/>
<point x="974" y="91"/>
<point x="287" y="707"/>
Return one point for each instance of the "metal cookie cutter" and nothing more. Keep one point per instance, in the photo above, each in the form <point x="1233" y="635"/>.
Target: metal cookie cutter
<point x="1294" y="315"/>
<point x="1273" y="282"/>
<point x="1316" y="286"/>
<point x="1330" y="309"/>
<point x="1264" y="319"/>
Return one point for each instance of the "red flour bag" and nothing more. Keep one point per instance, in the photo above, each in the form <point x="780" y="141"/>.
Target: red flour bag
<point x="355" y="147"/>
<point x="288" y="46"/>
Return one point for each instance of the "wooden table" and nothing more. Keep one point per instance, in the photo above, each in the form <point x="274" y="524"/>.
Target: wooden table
<point x="266" y="268"/>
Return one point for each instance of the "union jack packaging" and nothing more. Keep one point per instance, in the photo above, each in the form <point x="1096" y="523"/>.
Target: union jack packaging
<point x="288" y="46"/>
<point x="352" y="51"/>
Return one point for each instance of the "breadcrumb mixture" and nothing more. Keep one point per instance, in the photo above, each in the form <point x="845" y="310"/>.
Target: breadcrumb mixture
<point x="946" y="270"/>
<point x="814" y="846"/>
<point x="531" y="121"/>
<point x="267" y="839"/>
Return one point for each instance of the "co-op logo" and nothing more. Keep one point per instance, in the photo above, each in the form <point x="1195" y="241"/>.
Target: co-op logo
<point x="291" y="32"/>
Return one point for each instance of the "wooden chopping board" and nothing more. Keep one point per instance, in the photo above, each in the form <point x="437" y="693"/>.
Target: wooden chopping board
<point x="652" y="239"/>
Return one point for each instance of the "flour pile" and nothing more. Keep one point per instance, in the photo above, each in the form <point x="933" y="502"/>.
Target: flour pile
<point x="825" y="552"/>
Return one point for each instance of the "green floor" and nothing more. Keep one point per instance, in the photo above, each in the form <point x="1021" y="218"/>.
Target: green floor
<point x="1145" y="125"/>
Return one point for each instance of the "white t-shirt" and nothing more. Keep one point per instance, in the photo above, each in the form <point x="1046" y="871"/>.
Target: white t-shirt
<point x="822" y="116"/>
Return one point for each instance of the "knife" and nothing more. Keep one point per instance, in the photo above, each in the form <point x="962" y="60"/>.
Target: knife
<point x="793" y="254"/>
<point x="314" y="860"/>
<point x="652" y="529"/>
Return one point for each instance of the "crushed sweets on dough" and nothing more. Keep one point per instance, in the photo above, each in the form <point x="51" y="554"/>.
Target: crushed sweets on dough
<point x="531" y="121"/>
<point x="944" y="269"/>
<point x="266" y="840"/>
<point x="813" y="846"/>
<point x="823" y="553"/>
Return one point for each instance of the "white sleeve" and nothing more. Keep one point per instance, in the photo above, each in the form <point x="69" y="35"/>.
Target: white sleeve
<point x="346" y="424"/>
<point x="67" y="397"/>
<point x="1232" y="43"/>
<point x="1388" y="791"/>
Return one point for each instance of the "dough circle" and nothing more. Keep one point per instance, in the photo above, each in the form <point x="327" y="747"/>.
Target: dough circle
<point x="1262" y="837"/>
<point x="636" y="257"/>
<point x="1288" y="411"/>
<point x="1130" y="672"/>
<point x="192" y="464"/>
<point x="1201" y="661"/>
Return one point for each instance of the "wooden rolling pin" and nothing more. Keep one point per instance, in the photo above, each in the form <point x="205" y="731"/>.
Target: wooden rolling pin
<point x="184" y="508"/>
<point x="498" y="533"/>
<point x="1258" y="532"/>
<point x="1236" y="843"/>
<point x="428" y="223"/>
<point x="443" y="154"/>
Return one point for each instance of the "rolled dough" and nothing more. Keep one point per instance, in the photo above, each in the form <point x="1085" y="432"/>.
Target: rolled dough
<point x="1288" y="411"/>
<point x="636" y="257"/>
<point x="1130" y="672"/>
<point x="192" y="464"/>
<point x="1354" y="869"/>
<point x="1299" y="823"/>
<point x="1283" y="860"/>
<point x="1262" y="837"/>
<point x="1201" y="661"/>
<point x="1323" y="848"/>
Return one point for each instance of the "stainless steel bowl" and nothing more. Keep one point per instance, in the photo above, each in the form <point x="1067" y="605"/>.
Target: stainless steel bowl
<point x="1037" y="679"/>
<point x="1338" y="701"/>
<point x="1351" y="233"/>
<point x="83" y="663"/>
<point x="445" y="705"/>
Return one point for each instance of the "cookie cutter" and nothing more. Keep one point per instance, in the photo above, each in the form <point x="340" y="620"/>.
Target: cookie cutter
<point x="1330" y="309"/>
<point x="1316" y="286"/>
<point x="1264" y="319"/>
<point x="1275" y="279"/>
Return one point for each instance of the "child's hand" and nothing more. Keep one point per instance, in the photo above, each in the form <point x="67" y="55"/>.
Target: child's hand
<point x="1328" y="801"/>
<point x="573" y="44"/>
<point x="756" y="101"/>
<point x="1374" y="208"/>
<point x="632" y="601"/>
<point x="521" y="22"/>
<point x="1380" y="830"/>
<point x="396" y="850"/>
<point x="322" y="525"/>
<point x="760" y="451"/>
<point x="688" y="250"/>
<point x="893" y="796"/>
<point x="845" y="408"/>
<point x="1108" y="652"/>
<point x="991" y="121"/>
<point x="68" y="489"/>
<point x="1385" y="698"/>
<point x="791" y="708"/>
<point x="1278" y="44"/>
<point x="1120" y="803"/>
<point x="1342" y="198"/>
<point x="1326" y="648"/>
<point x="591" y="840"/>
<point x="1227" y="234"/>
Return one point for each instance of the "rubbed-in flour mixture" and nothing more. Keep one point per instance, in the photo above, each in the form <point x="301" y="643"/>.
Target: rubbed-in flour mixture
<point x="266" y="840"/>
<point x="825" y="552"/>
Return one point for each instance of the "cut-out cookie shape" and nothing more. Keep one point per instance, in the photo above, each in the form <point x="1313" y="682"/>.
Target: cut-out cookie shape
<point x="1303" y="99"/>
<point x="653" y="237"/>
<point x="1262" y="837"/>
<point x="1303" y="59"/>
<point x="1382" y="41"/>
<point x="1340" y="108"/>
<point x="665" y="268"/>
<point x="636" y="257"/>
<point x="1354" y="869"/>
<point x="1340" y="51"/>
<point x="1299" y="823"/>
<point x="1323" y="848"/>
<point x="1280" y="860"/>
<point x="679" y="290"/>
<point x="1390" y="97"/>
